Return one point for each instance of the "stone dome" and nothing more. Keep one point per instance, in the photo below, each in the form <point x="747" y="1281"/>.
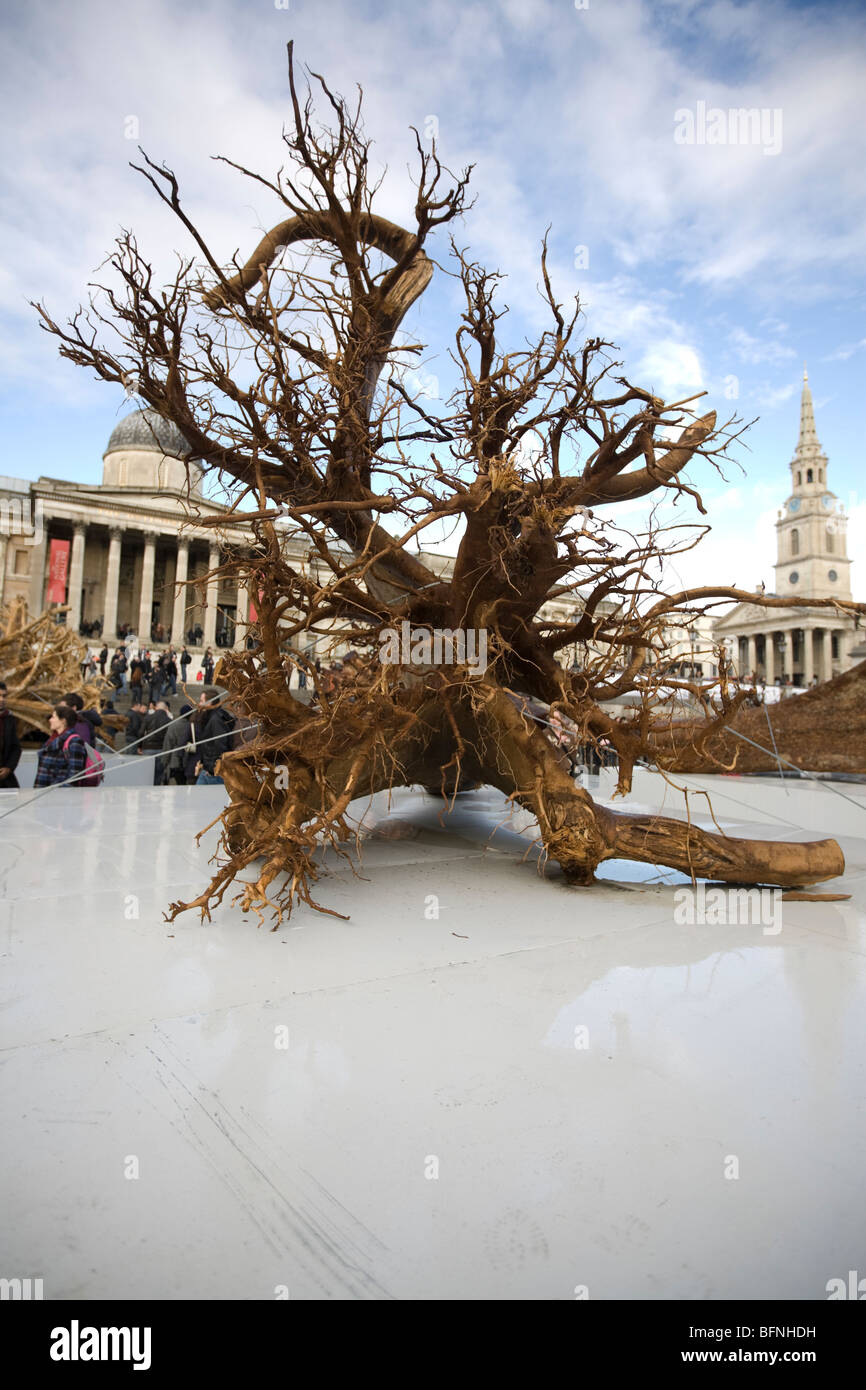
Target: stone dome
<point x="150" y="455"/>
<point x="146" y="430"/>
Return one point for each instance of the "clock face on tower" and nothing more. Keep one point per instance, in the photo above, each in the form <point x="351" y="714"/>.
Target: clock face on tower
<point x="827" y="500"/>
<point x="794" y="504"/>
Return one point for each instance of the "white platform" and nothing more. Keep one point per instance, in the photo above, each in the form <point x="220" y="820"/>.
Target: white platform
<point x="414" y="1039"/>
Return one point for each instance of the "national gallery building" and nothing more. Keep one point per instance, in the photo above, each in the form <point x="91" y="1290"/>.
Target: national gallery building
<point x="115" y="551"/>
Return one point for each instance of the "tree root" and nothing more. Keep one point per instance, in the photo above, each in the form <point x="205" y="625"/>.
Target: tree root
<point x="286" y="803"/>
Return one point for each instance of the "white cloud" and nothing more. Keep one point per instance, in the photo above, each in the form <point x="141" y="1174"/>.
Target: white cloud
<point x="738" y="552"/>
<point x="756" y="350"/>
<point x="569" y="115"/>
<point x="843" y="353"/>
<point x="671" y="370"/>
<point x="771" y="397"/>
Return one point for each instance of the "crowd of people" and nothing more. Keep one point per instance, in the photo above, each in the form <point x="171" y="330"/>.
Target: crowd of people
<point x="184" y="749"/>
<point x="128" y="666"/>
<point x="187" y="748"/>
<point x="158" y="632"/>
<point x="134" y="670"/>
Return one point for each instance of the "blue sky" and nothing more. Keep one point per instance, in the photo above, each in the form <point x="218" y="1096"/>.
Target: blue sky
<point x="712" y="266"/>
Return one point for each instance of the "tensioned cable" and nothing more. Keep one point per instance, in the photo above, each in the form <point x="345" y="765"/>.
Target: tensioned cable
<point x="109" y="767"/>
<point x="800" y="770"/>
<point x="775" y="749"/>
<point x="781" y="819"/>
<point x="42" y="791"/>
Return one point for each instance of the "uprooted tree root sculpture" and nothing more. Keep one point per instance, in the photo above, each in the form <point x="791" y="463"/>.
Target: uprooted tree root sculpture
<point x="41" y="662"/>
<point x="288" y="379"/>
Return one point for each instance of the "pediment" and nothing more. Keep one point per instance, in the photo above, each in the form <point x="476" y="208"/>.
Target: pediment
<point x="738" y="615"/>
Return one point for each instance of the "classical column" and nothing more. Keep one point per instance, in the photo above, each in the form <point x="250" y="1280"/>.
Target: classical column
<point x="145" y="610"/>
<point x="848" y="640"/>
<point x="112" y="582"/>
<point x="38" y="551"/>
<point x="178" y="617"/>
<point x="212" y="600"/>
<point x="769" y="659"/>
<point x="243" y="615"/>
<point x="808" y="656"/>
<point x="751" y="658"/>
<point x="4" y="542"/>
<point x="828" y="653"/>
<point x="76" y="575"/>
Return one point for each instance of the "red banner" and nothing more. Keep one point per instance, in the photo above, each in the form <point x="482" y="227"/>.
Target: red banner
<point x="254" y="612"/>
<point x="58" y="569"/>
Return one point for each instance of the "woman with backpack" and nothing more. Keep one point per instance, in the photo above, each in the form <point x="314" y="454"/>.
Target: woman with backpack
<point x="64" y="754"/>
<point x="86" y="720"/>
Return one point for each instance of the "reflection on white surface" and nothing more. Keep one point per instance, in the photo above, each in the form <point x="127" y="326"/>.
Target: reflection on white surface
<point x="412" y="1038"/>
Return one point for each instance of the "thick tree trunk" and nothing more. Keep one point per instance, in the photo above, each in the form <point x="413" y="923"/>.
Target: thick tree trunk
<point x="283" y="805"/>
<point x="580" y="835"/>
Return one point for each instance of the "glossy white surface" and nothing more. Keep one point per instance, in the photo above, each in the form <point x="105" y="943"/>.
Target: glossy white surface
<point x="413" y="1038"/>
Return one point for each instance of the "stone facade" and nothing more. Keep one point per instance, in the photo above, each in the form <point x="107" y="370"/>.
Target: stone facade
<point x="799" y="646"/>
<point x="132" y="545"/>
<point x="129" y="548"/>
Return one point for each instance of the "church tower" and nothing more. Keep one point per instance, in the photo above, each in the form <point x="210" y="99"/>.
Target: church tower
<point x="811" y="532"/>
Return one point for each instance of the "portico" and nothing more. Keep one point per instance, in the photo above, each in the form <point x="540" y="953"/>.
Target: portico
<point x="796" y="650"/>
<point x="797" y="646"/>
<point x="135" y="558"/>
<point x="136" y="562"/>
<point x="135" y="577"/>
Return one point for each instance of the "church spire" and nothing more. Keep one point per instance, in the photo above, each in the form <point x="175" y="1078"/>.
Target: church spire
<point x="811" y="528"/>
<point x="808" y="449"/>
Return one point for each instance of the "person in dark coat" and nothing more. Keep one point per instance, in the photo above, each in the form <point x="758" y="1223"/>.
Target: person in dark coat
<point x="177" y="746"/>
<point x="134" y="728"/>
<point x="171" y="673"/>
<point x="161" y="673"/>
<point x="154" y="730"/>
<point x="136" y="677"/>
<point x="217" y="737"/>
<point x="118" y="669"/>
<point x="10" y="744"/>
<point x="192" y="764"/>
<point x="103" y="657"/>
<point x="155" y="677"/>
<point x="207" y="665"/>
